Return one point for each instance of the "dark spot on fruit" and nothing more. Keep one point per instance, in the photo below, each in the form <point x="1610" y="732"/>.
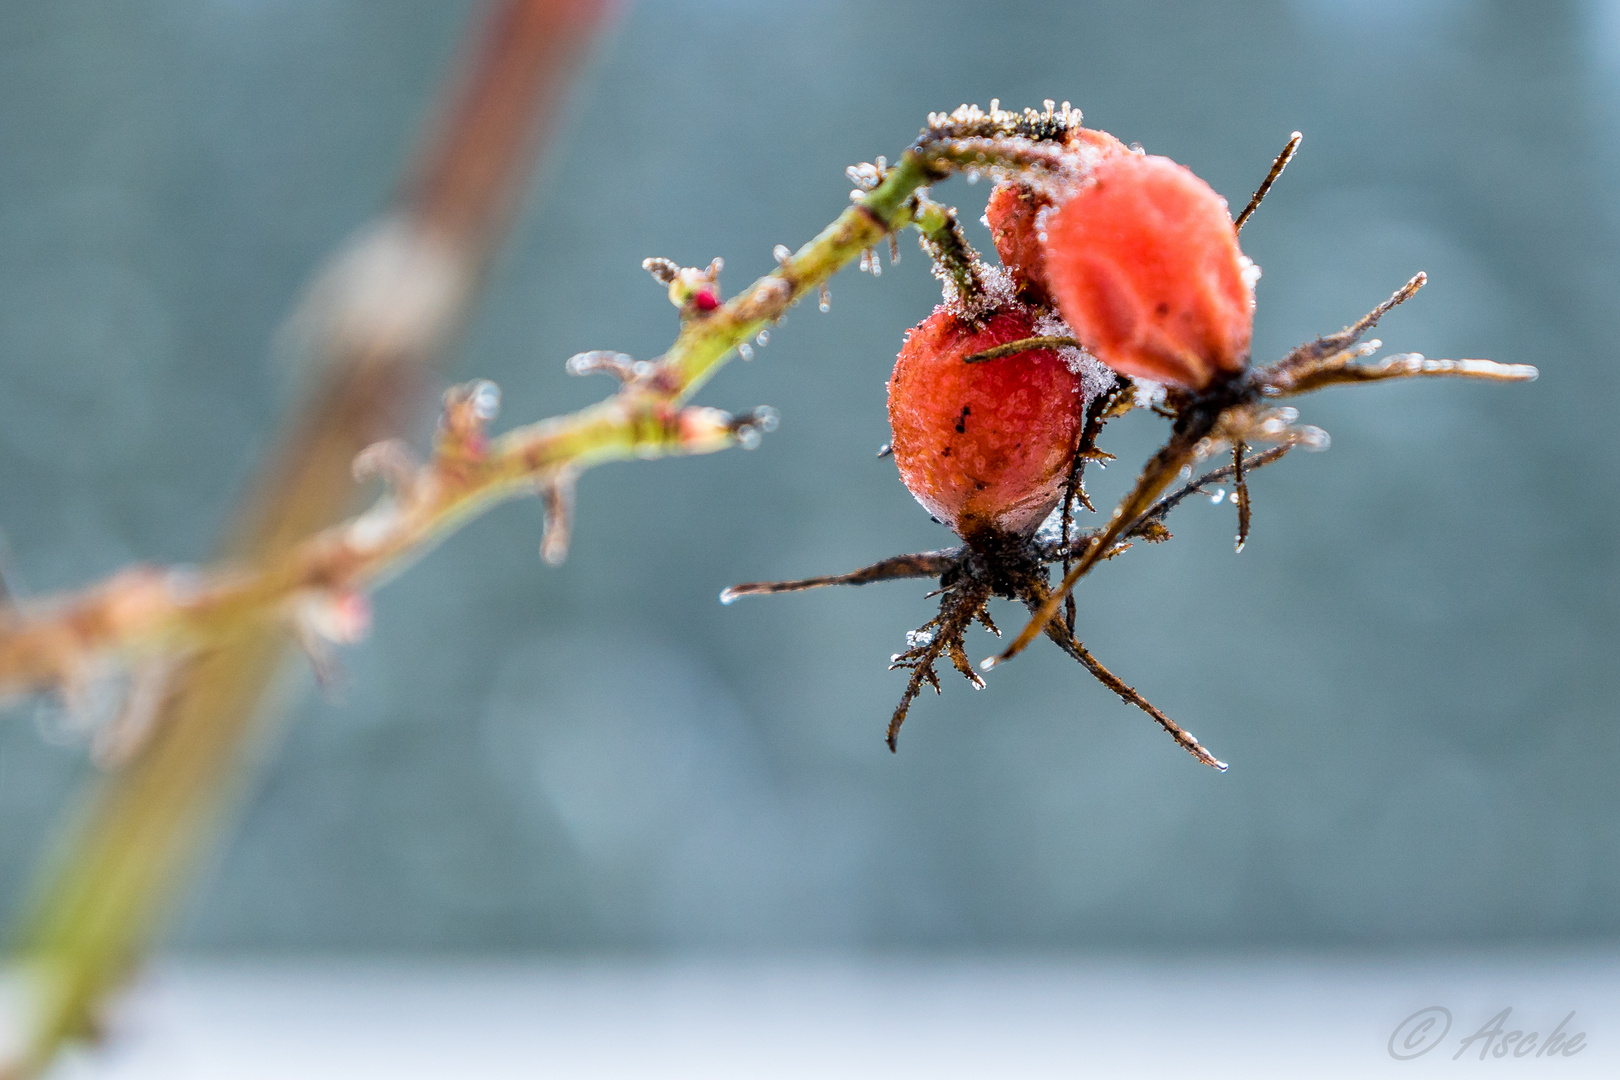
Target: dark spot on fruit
<point x="1162" y="309"/>
<point x="945" y="452"/>
<point x="961" y="421"/>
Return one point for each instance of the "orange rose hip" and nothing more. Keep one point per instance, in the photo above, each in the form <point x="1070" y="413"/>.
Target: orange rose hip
<point x="983" y="446"/>
<point x="1144" y="264"/>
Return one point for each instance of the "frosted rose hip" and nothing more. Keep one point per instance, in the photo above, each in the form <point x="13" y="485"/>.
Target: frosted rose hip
<point x="1014" y="208"/>
<point x="1144" y="264"/>
<point x="983" y="445"/>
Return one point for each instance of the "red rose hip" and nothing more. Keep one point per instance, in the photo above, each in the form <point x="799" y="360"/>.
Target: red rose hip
<point x="1015" y="207"/>
<point x="1144" y="264"/>
<point x="983" y="446"/>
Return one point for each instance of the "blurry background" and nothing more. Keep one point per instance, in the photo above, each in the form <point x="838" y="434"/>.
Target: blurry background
<point x="1410" y="668"/>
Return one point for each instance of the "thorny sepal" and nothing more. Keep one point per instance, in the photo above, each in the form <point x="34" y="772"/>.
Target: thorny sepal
<point x="960" y="604"/>
<point x="1229" y="412"/>
<point x="1010" y="566"/>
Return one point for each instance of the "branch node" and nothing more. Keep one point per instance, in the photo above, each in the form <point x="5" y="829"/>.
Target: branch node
<point x="468" y="409"/>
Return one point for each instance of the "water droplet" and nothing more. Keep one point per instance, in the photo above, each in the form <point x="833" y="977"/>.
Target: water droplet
<point x="1220" y="493"/>
<point x="746" y="351"/>
<point x="825" y="303"/>
<point x="763" y="338"/>
<point x="766" y="419"/>
<point x="729" y="596"/>
<point x="748" y="437"/>
<point x="973" y="176"/>
<point x="781" y="254"/>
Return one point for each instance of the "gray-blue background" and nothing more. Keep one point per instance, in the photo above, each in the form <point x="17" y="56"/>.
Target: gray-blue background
<point x="1411" y="668"/>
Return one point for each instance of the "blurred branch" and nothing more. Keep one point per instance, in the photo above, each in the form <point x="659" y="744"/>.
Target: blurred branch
<point x="373" y="323"/>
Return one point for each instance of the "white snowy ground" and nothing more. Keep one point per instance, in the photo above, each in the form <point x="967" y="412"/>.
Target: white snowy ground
<point x="1287" y="1015"/>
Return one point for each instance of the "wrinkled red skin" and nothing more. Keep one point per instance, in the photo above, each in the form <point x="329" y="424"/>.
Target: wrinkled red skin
<point x="983" y="446"/>
<point x="1144" y="264"/>
<point x="1011" y="214"/>
<point x="1014" y="207"/>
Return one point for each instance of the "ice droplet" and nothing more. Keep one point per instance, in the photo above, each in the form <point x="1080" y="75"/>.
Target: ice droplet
<point x="746" y="351"/>
<point x="781" y="253"/>
<point x="748" y="437"/>
<point x="825" y="302"/>
<point x="1312" y="438"/>
<point x="763" y="338"/>
<point x="972" y="176"/>
<point x="729" y="596"/>
<point x="1215" y="499"/>
<point x="766" y="419"/>
<point x="486" y="399"/>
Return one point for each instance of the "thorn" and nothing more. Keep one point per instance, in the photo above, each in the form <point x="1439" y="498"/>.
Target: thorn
<point x="664" y="270"/>
<point x="558" y="498"/>
<point x="617" y="364"/>
<point x="392" y="461"/>
<point x="1277" y="168"/>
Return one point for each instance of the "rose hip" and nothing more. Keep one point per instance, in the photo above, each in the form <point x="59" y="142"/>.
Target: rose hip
<point x="1015" y="207"/>
<point x="1144" y="264"/>
<point x="985" y="445"/>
